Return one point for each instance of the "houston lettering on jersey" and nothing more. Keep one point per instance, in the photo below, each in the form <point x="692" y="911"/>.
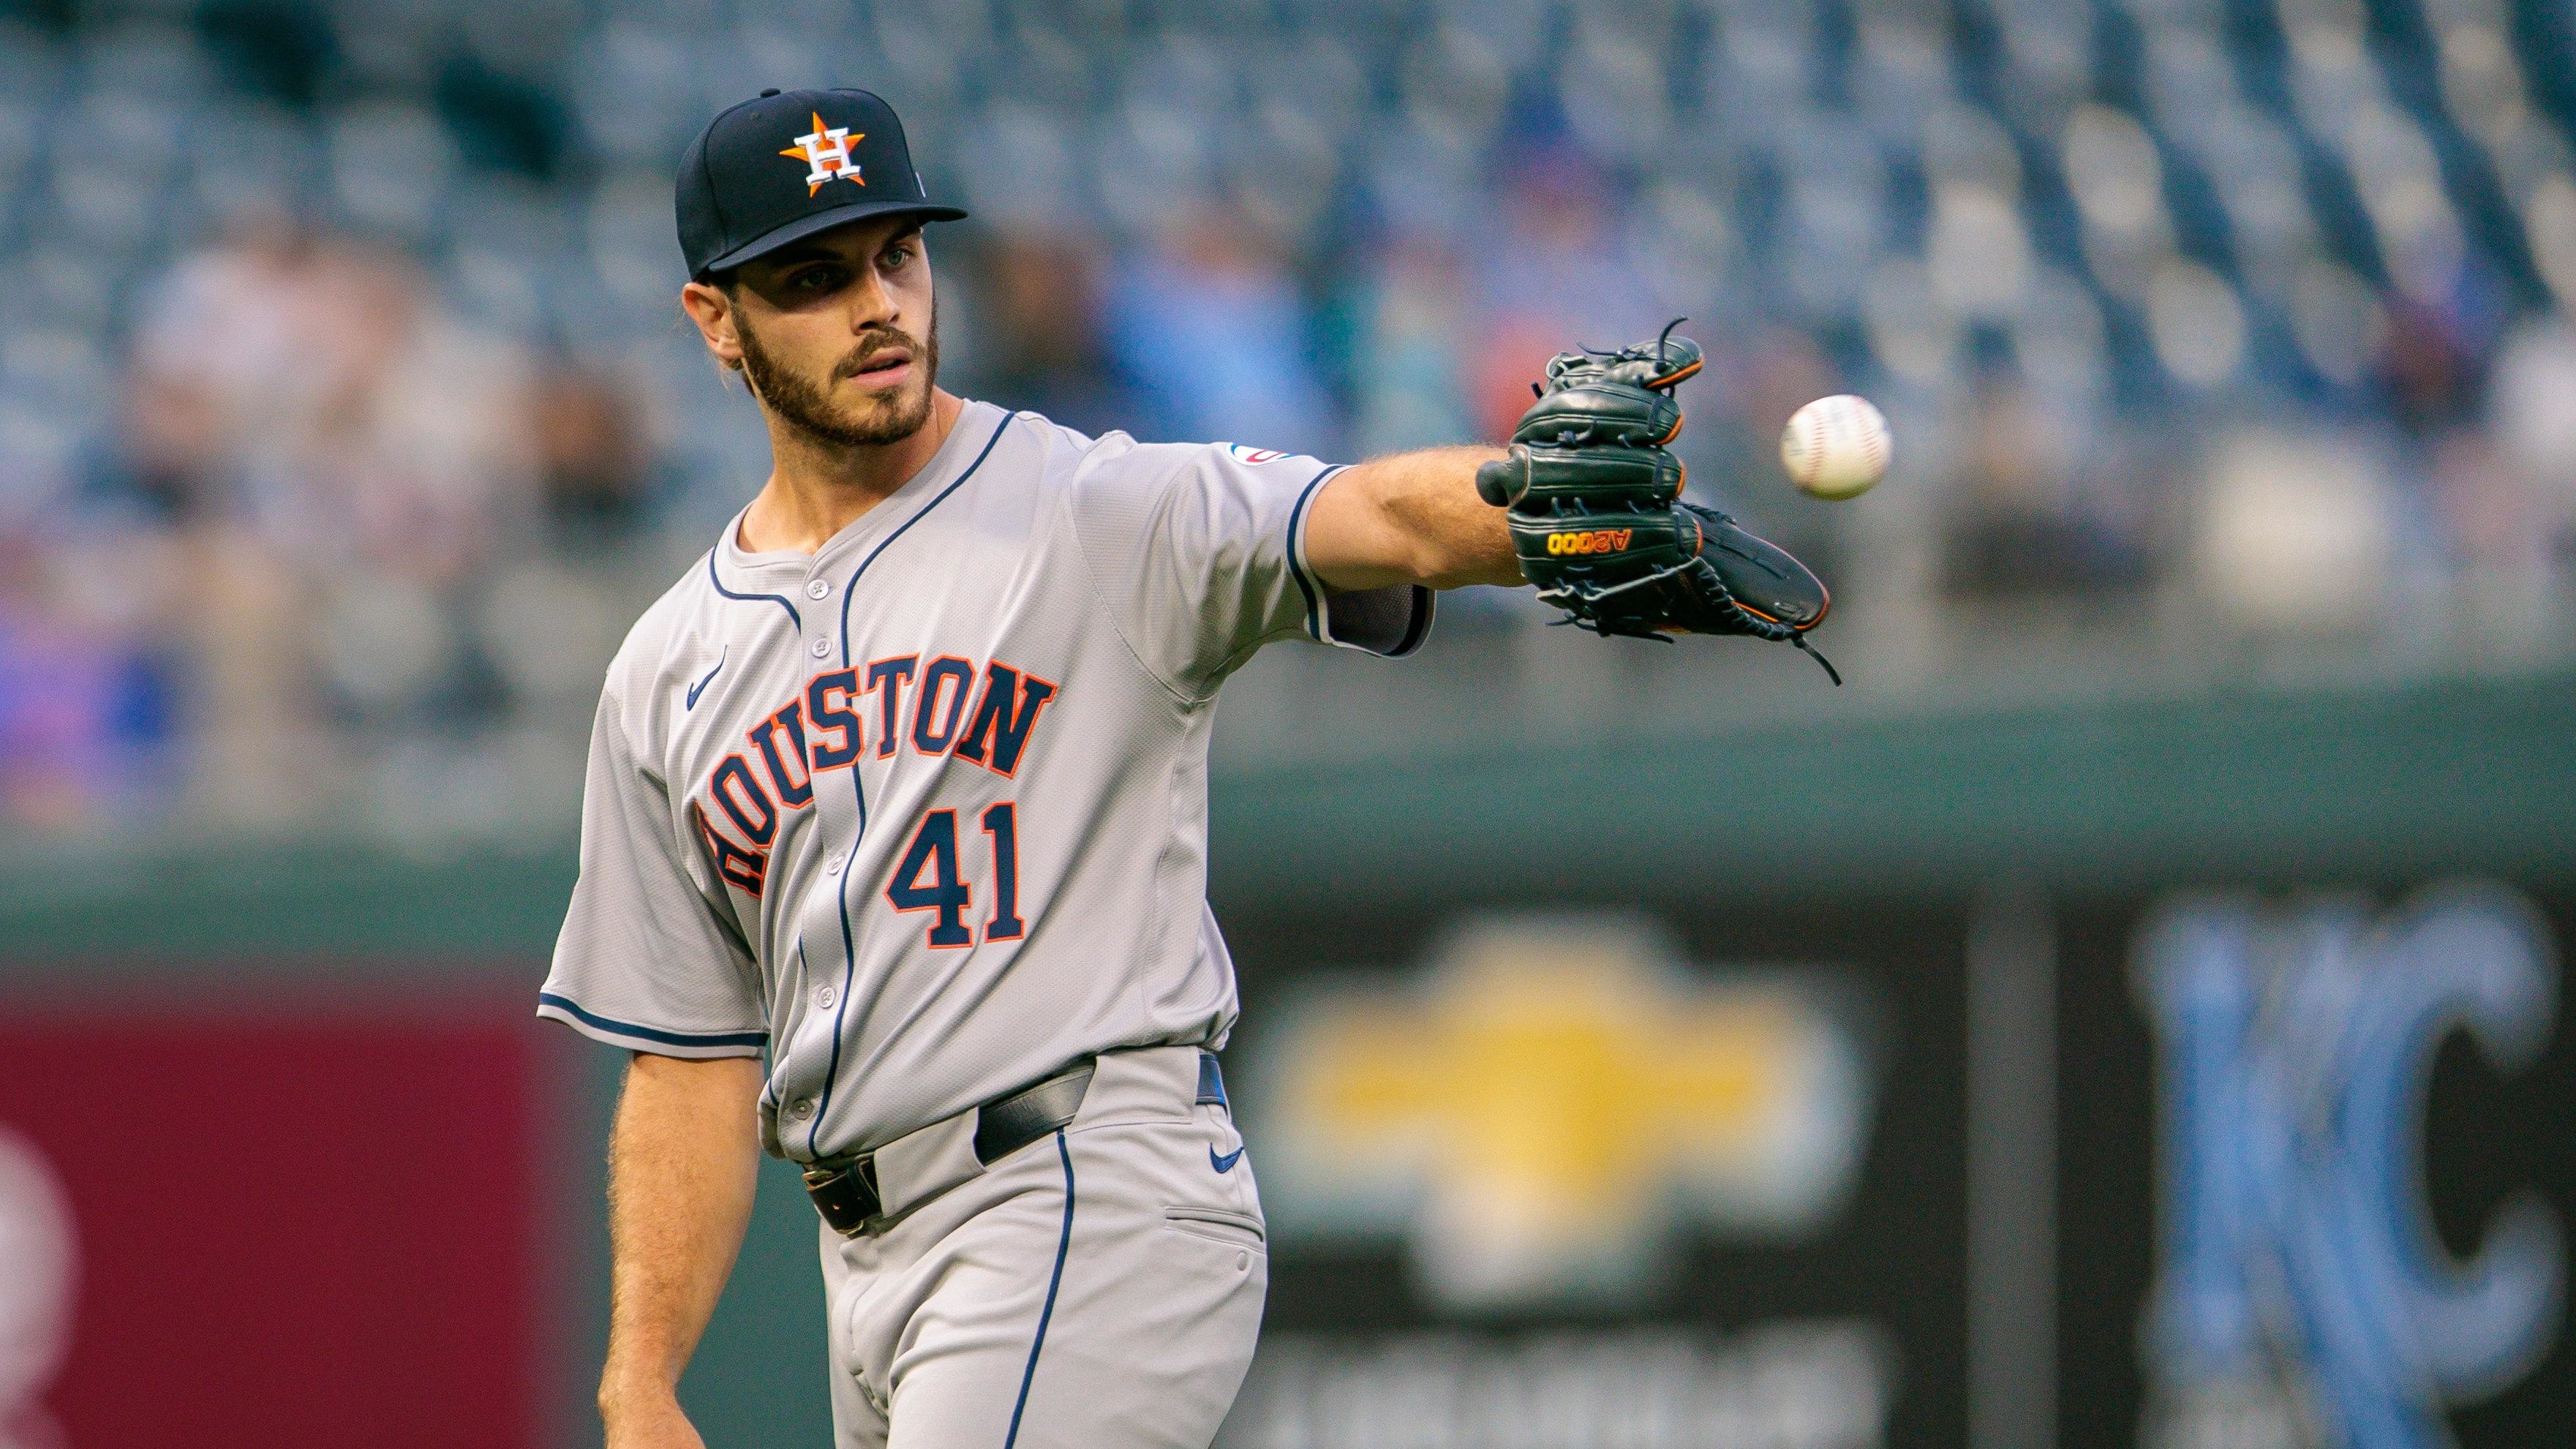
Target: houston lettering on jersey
<point x="942" y="706"/>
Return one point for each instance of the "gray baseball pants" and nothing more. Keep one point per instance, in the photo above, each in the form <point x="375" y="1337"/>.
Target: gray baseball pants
<point x="1098" y="1289"/>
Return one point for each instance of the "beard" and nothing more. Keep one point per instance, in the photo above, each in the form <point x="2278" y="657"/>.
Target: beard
<point x="810" y="408"/>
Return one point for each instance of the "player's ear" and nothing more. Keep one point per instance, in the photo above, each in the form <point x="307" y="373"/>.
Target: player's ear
<point x="711" y="308"/>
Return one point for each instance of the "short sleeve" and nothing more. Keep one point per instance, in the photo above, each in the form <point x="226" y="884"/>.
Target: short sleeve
<point x="1199" y="551"/>
<point x="646" y="961"/>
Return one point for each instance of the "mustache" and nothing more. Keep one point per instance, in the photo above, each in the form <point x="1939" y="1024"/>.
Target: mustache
<point x="866" y="354"/>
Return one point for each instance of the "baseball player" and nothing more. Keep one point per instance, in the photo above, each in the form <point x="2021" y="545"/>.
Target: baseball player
<point x="894" y="846"/>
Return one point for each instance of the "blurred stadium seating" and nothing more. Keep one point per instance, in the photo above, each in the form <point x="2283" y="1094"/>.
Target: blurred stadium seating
<point x="345" y="417"/>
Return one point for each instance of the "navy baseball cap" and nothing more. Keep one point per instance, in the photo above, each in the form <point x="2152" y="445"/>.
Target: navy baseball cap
<point x="787" y="164"/>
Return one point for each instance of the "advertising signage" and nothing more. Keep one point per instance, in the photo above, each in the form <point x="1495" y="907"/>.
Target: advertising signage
<point x="1580" y="1177"/>
<point x="273" y="1219"/>
<point x="1567" y="1178"/>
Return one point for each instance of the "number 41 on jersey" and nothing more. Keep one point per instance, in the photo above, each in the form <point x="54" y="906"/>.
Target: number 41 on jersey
<point x="928" y="878"/>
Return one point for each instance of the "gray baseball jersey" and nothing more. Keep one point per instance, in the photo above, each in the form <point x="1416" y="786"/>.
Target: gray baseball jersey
<point x="923" y="816"/>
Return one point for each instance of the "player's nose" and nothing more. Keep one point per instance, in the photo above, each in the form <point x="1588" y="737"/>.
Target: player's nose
<point x="873" y="305"/>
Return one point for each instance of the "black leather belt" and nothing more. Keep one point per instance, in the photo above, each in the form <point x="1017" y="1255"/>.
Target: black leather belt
<point x="844" y="1189"/>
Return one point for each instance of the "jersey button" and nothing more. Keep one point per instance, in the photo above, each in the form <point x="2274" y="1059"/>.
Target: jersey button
<point x="825" y="997"/>
<point x="800" y="1109"/>
<point x="819" y="589"/>
<point x="821" y="647"/>
<point x="832" y="866"/>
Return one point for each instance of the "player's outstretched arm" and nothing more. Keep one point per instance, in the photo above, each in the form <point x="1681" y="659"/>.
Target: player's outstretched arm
<point x="682" y="1163"/>
<point x="1411" y="518"/>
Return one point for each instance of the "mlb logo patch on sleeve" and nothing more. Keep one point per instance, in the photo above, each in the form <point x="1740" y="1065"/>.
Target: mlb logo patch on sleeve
<point x="1254" y="455"/>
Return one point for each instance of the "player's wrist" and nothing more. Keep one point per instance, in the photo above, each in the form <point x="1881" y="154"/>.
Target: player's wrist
<point x="663" y="1427"/>
<point x="631" y="1396"/>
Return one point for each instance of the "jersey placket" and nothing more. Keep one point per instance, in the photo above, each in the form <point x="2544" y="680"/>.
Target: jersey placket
<point x="851" y="823"/>
<point x="840" y="815"/>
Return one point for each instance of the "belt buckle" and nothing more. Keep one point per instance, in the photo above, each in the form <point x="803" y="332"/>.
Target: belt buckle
<point x="846" y="1193"/>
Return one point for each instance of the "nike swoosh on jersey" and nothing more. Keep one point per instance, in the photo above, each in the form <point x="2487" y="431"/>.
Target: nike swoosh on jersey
<point x="1225" y="1163"/>
<point x="696" y="688"/>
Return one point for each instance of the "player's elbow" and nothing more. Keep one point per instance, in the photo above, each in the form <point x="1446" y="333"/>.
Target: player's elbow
<point x="1449" y="566"/>
<point x="1451" y="547"/>
<point x="1431" y="562"/>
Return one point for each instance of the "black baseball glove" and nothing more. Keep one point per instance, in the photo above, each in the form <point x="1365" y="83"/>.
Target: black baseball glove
<point x="1596" y="517"/>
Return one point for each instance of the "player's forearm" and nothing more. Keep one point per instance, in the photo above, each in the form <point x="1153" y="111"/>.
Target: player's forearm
<point x="683" y="1161"/>
<point x="1412" y="518"/>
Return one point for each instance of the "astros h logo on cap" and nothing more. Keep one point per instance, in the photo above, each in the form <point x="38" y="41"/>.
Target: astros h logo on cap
<point x="828" y="149"/>
<point x="737" y="200"/>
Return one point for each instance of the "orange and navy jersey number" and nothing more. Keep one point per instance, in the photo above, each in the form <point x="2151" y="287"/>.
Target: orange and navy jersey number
<point x="1591" y="540"/>
<point x="944" y="707"/>
<point x="929" y="878"/>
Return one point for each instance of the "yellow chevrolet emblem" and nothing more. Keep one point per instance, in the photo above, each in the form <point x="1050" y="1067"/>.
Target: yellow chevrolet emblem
<point x="1553" y="1101"/>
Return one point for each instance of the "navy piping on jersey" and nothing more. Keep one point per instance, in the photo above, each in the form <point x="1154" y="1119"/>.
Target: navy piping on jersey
<point x="888" y="541"/>
<point x="779" y="599"/>
<point x="1296" y="538"/>
<point x="849" y="943"/>
<point x="654" y="1034"/>
<point x="1055" y="1280"/>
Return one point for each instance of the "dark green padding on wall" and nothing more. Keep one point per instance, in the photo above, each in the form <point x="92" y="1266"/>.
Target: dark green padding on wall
<point x="2453" y="776"/>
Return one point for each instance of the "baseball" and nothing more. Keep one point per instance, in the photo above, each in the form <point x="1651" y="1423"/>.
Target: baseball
<point x="1836" y="447"/>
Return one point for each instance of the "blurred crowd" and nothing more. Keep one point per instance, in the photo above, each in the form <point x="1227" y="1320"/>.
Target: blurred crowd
<point x="346" y="417"/>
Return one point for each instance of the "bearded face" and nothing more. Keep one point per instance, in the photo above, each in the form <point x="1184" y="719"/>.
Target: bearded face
<point x="837" y="404"/>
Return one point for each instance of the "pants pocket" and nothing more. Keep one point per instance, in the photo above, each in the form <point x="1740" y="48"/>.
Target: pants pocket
<point x="1223" y="1225"/>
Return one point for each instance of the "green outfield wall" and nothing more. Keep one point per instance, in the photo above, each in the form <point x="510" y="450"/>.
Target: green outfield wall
<point x="2451" y="776"/>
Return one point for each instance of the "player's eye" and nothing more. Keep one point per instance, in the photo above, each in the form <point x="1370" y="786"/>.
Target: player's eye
<point x="816" y="281"/>
<point x="896" y="257"/>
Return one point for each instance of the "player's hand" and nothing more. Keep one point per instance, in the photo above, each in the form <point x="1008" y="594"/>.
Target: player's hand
<point x="655" y="1423"/>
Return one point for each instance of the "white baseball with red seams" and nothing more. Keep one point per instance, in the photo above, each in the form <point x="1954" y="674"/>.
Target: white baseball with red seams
<point x="1836" y="447"/>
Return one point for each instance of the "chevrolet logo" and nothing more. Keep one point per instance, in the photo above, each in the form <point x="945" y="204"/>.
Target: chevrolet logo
<point x="1552" y="1102"/>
